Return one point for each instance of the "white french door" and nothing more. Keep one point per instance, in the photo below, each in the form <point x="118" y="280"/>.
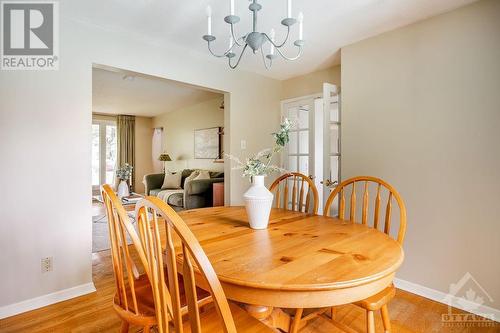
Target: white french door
<point x="331" y="147"/>
<point x="299" y="155"/>
<point x="314" y="147"/>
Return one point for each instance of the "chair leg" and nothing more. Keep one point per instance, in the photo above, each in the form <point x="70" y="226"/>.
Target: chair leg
<point x="332" y="313"/>
<point x="386" y="318"/>
<point x="370" y="321"/>
<point x="146" y="329"/>
<point x="124" y="328"/>
<point x="296" y="321"/>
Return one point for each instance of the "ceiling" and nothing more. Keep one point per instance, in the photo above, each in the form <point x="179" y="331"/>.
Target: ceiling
<point x="328" y="24"/>
<point x="121" y="92"/>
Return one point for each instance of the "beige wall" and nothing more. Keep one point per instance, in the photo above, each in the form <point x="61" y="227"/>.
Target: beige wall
<point x="421" y="108"/>
<point x="178" y="133"/>
<point x="309" y="84"/>
<point x="143" y="158"/>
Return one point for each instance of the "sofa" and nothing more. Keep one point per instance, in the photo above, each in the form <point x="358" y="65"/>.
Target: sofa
<point x="195" y="193"/>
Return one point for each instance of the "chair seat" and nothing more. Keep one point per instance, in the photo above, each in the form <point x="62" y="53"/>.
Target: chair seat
<point x="212" y="322"/>
<point x="375" y="302"/>
<point x="144" y="296"/>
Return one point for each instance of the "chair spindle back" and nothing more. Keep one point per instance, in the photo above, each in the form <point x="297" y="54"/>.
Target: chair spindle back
<point x="124" y="268"/>
<point x="180" y="244"/>
<point x="303" y="191"/>
<point x="365" y="198"/>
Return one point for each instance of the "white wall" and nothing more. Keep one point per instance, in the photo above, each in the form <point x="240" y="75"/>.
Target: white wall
<point x="421" y="109"/>
<point x="178" y="133"/>
<point x="45" y="136"/>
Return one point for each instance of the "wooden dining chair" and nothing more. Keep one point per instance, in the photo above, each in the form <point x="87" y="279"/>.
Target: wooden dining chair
<point x="133" y="300"/>
<point x="302" y="192"/>
<point x="380" y="300"/>
<point x="184" y="253"/>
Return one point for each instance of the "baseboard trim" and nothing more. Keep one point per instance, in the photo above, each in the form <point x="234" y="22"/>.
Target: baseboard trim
<point x="63" y="295"/>
<point x="440" y="297"/>
<point x="41" y="301"/>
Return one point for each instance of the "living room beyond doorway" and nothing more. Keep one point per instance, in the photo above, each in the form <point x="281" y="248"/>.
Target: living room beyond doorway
<point x="154" y="137"/>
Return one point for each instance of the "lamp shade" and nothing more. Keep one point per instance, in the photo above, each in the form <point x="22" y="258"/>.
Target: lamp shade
<point x="164" y="158"/>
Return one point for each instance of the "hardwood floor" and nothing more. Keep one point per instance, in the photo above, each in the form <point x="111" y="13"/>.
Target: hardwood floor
<point x="93" y="313"/>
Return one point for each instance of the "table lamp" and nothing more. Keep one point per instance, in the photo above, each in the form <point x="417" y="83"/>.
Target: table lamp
<point x="164" y="158"/>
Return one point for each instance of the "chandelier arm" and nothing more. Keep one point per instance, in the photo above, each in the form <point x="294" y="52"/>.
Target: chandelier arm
<point x="239" y="58"/>
<point x="236" y="40"/>
<point x="221" y="55"/>
<point x="264" y="59"/>
<point x="282" y="44"/>
<point x="290" y="58"/>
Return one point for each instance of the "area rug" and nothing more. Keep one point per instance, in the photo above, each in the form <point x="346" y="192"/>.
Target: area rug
<point x="100" y="232"/>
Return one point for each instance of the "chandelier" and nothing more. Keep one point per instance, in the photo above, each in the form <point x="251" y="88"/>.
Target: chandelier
<point x="255" y="39"/>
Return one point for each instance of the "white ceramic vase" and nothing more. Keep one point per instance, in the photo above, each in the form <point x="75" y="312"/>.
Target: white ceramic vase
<point x="258" y="201"/>
<point x="123" y="190"/>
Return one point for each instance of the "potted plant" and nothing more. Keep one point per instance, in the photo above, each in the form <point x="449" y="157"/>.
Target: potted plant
<point x="258" y="199"/>
<point x="124" y="173"/>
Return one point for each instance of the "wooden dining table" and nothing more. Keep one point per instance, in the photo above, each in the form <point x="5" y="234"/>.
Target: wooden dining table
<point x="300" y="261"/>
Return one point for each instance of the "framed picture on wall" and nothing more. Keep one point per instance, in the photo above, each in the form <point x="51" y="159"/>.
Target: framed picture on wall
<point x="207" y="143"/>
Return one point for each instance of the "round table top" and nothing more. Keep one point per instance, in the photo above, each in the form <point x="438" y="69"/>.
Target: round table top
<point x="298" y="251"/>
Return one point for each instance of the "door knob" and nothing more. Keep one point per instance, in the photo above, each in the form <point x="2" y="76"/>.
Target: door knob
<point x="311" y="177"/>
<point x="328" y="182"/>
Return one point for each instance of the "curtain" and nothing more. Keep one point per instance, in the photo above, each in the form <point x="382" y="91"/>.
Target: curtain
<point x="125" y="127"/>
<point x="157" y="149"/>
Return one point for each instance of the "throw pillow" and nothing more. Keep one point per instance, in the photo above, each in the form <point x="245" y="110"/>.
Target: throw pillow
<point x="204" y="174"/>
<point x="172" y="180"/>
<point x="192" y="176"/>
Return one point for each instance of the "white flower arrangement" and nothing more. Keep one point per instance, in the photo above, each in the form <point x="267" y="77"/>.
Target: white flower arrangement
<point x="125" y="172"/>
<point x="260" y="163"/>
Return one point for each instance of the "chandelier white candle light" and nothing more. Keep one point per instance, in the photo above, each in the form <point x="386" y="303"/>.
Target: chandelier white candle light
<point x="255" y="40"/>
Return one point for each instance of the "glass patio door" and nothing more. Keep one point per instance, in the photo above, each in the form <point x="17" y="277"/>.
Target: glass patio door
<point x="104" y="152"/>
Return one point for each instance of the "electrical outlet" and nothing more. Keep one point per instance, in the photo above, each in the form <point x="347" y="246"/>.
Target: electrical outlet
<point x="47" y="264"/>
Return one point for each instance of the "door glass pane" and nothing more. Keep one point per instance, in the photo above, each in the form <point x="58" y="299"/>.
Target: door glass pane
<point x="334" y="168"/>
<point x="334" y="112"/>
<point x="304" y="142"/>
<point x="292" y="163"/>
<point x="304" y="117"/>
<point x="292" y="145"/>
<point x="95" y="154"/>
<point x="304" y="165"/>
<point x="334" y="139"/>
<point x="111" y="146"/>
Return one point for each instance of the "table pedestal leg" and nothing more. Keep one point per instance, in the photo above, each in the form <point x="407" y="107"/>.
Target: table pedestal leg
<point x="272" y="317"/>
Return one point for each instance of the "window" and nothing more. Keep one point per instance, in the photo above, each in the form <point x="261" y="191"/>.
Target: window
<point x="104" y="152"/>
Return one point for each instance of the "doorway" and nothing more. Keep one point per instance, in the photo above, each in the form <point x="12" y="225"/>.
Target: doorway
<point x="314" y="148"/>
<point x="154" y="125"/>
